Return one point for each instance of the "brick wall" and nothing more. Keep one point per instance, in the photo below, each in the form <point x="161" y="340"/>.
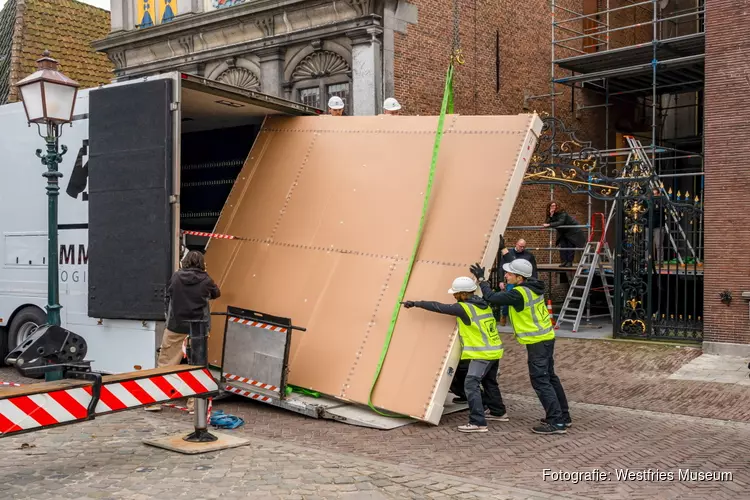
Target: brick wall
<point x="727" y="146"/>
<point x="421" y="59"/>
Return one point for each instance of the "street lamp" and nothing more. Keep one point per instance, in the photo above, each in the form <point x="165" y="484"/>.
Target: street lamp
<point x="49" y="99"/>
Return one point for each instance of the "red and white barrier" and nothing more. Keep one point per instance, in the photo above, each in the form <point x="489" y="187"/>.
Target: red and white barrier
<point x="45" y="409"/>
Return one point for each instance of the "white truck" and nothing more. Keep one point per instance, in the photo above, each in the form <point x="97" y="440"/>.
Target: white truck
<point x="146" y="159"/>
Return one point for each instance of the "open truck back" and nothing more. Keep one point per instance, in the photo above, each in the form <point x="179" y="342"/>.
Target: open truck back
<point x="146" y="160"/>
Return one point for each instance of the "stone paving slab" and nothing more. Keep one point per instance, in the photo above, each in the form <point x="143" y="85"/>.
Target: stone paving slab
<point x="714" y="368"/>
<point x="105" y="459"/>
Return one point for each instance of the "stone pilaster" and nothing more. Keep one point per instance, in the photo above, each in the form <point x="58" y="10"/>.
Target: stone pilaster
<point x="366" y="71"/>
<point x="272" y="70"/>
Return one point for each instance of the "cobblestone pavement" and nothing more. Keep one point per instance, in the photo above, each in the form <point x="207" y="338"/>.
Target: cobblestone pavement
<point x="602" y="437"/>
<point x="631" y="375"/>
<point x="605" y="435"/>
<point x="105" y="459"/>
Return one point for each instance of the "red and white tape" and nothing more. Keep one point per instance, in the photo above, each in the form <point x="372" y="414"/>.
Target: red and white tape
<point x="248" y="394"/>
<point x="11" y="384"/>
<point x="250" y="381"/>
<point x="216" y="236"/>
<point x="257" y="324"/>
<point x="19" y="413"/>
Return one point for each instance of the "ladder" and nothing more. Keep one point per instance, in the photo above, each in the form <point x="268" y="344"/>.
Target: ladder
<point x="638" y="155"/>
<point x="596" y="258"/>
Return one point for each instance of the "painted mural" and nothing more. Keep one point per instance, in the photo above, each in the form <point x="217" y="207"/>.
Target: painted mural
<point x="167" y="10"/>
<point x="220" y="4"/>
<point x="146" y="13"/>
<point x="153" y="12"/>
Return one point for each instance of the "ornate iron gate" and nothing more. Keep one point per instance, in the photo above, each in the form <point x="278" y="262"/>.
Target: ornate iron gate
<point x="658" y="298"/>
<point x="658" y="237"/>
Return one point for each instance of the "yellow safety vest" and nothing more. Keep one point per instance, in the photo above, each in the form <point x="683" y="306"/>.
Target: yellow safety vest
<point x="479" y="339"/>
<point x="532" y="324"/>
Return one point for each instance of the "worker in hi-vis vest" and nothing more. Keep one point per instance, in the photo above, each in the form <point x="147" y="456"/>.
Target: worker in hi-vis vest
<point x="481" y="345"/>
<point x="532" y="327"/>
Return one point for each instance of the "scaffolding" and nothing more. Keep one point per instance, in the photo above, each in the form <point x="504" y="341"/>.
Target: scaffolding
<point x="644" y="56"/>
<point x="644" y="63"/>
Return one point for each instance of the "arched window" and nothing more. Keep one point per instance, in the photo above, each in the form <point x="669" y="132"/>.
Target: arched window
<point x="319" y="76"/>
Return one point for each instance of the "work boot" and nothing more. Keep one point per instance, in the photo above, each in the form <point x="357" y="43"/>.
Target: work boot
<point x="460" y="400"/>
<point x="497" y="418"/>
<point x="191" y="406"/>
<point x="547" y="428"/>
<point x="503" y="320"/>
<point x="472" y="428"/>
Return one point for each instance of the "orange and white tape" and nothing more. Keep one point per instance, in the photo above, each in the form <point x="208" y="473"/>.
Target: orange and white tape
<point x="257" y="324"/>
<point x="250" y="381"/>
<point x="216" y="236"/>
<point x="248" y="394"/>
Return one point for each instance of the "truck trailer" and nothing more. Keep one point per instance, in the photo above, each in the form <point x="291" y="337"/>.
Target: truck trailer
<point x="166" y="151"/>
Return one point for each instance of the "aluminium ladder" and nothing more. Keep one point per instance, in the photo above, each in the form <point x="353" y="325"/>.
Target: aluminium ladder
<point x="596" y="258"/>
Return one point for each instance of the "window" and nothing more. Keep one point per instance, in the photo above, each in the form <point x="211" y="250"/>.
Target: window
<point x="341" y="90"/>
<point x="318" y="77"/>
<point x="310" y="97"/>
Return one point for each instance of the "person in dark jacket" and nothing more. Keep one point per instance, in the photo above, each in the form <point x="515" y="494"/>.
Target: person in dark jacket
<point x="533" y="329"/>
<point x="509" y="255"/>
<point x="567" y="237"/>
<point x="187" y="296"/>
<point x="482" y="347"/>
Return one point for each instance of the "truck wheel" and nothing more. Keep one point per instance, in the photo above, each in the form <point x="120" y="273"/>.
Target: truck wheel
<point x="24" y="324"/>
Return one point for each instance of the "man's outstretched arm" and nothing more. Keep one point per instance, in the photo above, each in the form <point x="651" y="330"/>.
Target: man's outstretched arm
<point x="438" y="307"/>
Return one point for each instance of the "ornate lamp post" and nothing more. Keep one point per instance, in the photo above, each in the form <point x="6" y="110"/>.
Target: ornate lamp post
<point x="49" y="98"/>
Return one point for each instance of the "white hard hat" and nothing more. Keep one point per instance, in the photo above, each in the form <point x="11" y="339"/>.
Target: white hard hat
<point x="391" y="104"/>
<point x="335" y="102"/>
<point x="521" y="267"/>
<point x="463" y="284"/>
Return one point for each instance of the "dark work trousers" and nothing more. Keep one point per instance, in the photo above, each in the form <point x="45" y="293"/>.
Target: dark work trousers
<point x="566" y="255"/>
<point x="483" y="372"/>
<point x="546" y="383"/>
<point x="457" y="384"/>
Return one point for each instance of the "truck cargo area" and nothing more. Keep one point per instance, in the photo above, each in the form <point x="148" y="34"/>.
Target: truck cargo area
<point x="218" y="128"/>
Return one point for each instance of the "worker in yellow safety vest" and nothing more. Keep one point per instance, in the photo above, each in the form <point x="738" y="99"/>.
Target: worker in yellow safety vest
<point x="481" y="346"/>
<point x="532" y="328"/>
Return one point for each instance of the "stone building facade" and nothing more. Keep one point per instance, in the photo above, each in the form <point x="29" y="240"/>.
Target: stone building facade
<point x="305" y="50"/>
<point x="363" y="51"/>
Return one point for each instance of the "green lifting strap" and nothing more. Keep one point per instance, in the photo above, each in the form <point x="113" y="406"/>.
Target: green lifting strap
<point x="446" y="108"/>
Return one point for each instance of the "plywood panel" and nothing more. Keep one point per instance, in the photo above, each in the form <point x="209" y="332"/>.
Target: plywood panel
<point x="332" y="206"/>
